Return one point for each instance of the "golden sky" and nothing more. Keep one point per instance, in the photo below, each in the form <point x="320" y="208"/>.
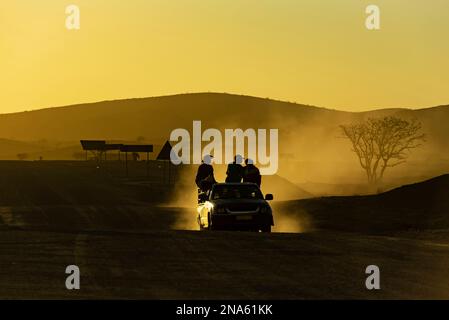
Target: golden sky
<point x="307" y="51"/>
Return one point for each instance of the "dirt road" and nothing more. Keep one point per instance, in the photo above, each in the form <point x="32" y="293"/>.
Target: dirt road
<point x="163" y="264"/>
<point x="127" y="249"/>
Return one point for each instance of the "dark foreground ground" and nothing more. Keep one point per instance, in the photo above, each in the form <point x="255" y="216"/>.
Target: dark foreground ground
<point x="57" y="214"/>
<point x="192" y="265"/>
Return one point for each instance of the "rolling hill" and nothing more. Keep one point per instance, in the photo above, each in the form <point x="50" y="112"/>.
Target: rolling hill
<point x="420" y="206"/>
<point x="311" y="145"/>
<point x="155" y="117"/>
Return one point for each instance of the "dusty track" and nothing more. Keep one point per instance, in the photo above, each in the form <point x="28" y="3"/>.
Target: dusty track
<point x="200" y="265"/>
<point x="127" y="250"/>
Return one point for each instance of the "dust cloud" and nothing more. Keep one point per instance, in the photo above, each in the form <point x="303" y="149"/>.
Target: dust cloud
<point x="288" y="220"/>
<point x="314" y="160"/>
<point x="185" y="197"/>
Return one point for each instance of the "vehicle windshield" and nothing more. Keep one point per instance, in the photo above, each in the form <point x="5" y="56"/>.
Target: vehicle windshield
<point x="236" y="192"/>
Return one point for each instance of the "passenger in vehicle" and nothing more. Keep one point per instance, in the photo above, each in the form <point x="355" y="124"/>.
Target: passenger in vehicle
<point x="205" y="175"/>
<point x="251" y="173"/>
<point x="235" y="170"/>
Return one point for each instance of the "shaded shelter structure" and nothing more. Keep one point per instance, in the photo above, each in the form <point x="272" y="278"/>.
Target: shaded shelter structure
<point x="99" y="148"/>
<point x="136" y="148"/>
<point x="96" y="147"/>
<point x="112" y="147"/>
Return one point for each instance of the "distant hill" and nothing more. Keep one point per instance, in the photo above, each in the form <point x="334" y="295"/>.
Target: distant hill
<point x="151" y="117"/>
<point x="283" y="189"/>
<point x="418" y="206"/>
<point x="311" y="145"/>
<point x="155" y="117"/>
<point x="9" y="149"/>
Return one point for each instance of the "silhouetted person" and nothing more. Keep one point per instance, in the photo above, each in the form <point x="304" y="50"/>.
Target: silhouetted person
<point x="205" y="175"/>
<point x="251" y="173"/>
<point x="235" y="170"/>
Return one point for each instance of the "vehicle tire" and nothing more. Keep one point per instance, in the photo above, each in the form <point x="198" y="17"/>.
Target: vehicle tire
<point x="209" y="222"/>
<point x="198" y="220"/>
<point x="266" y="228"/>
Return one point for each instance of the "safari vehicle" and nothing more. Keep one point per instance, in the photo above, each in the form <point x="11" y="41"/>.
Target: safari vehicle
<point x="235" y="206"/>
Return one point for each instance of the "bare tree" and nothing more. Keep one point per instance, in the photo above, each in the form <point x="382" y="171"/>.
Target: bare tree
<point x="383" y="143"/>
